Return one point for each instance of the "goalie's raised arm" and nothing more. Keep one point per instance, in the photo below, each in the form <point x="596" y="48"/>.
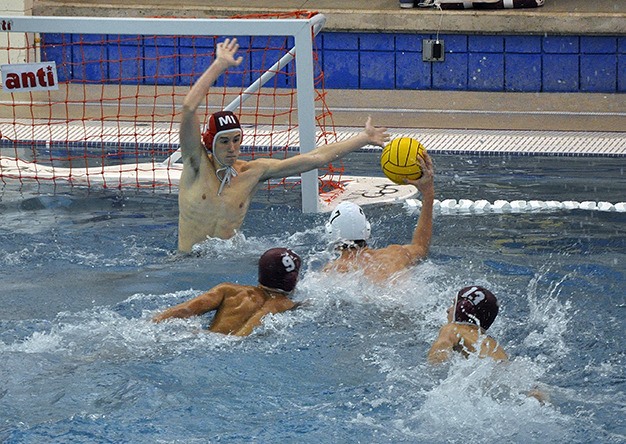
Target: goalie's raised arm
<point x="190" y="133"/>
<point x="325" y="154"/>
<point x="225" y="53"/>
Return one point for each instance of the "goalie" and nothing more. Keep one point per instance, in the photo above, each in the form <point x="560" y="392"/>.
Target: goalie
<point x="216" y="187"/>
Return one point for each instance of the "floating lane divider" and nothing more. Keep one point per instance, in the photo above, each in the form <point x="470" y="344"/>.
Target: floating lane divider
<point x="515" y="206"/>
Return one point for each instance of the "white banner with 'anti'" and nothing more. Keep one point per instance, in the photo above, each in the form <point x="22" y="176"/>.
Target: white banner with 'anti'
<point x="24" y="77"/>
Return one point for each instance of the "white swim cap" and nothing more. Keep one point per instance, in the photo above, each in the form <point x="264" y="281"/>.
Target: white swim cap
<point x="348" y="222"/>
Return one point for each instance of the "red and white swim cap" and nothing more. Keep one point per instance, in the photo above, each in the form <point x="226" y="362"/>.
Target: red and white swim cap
<point x="279" y="268"/>
<point x="219" y="123"/>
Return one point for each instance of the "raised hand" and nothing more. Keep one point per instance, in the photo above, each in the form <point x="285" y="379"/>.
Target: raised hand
<point x="226" y="51"/>
<point x="426" y="182"/>
<point x="376" y="136"/>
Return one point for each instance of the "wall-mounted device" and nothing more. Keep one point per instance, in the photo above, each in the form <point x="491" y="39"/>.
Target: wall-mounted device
<point x="432" y="50"/>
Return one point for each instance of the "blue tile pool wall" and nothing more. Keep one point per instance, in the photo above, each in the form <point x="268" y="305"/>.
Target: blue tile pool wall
<point x="475" y="62"/>
<point x="513" y="63"/>
<point x="159" y="60"/>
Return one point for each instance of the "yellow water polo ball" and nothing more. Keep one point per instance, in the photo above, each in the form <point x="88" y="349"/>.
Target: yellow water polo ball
<point x="399" y="159"/>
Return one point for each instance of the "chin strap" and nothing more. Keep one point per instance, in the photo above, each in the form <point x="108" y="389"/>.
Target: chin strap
<point x="228" y="173"/>
<point x="224" y="174"/>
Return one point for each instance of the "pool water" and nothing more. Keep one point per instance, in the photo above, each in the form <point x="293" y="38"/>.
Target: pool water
<point x="84" y="271"/>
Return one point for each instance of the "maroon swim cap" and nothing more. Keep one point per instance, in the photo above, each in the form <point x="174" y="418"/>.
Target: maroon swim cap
<point x="220" y="122"/>
<point x="279" y="268"/>
<point x="476" y="305"/>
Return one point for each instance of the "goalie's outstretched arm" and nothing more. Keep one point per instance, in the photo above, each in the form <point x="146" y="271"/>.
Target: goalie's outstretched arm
<point x="325" y="154"/>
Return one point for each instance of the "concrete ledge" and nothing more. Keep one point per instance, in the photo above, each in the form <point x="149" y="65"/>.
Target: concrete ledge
<point x="479" y="110"/>
<point x="607" y="17"/>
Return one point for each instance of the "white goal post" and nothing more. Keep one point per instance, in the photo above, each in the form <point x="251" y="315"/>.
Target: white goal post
<point x="301" y="30"/>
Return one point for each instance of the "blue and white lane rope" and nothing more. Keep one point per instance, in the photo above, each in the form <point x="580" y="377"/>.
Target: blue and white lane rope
<point x="515" y="206"/>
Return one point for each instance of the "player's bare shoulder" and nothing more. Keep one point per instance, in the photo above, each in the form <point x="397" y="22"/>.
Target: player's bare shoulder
<point x="237" y="290"/>
<point x="257" y="167"/>
<point x="450" y="334"/>
<point x="235" y="294"/>
<point x="394" y="253"/>
<point x="278" y="305"/>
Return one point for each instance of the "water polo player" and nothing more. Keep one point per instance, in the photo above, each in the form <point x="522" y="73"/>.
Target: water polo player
<point x="240" y="308"/>
<point x="350" y="230"/>
<point x="473" y="311"/>
<point x="216" y="187"/>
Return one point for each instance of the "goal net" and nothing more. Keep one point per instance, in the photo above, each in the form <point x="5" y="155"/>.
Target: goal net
<point x="95" y="101"/>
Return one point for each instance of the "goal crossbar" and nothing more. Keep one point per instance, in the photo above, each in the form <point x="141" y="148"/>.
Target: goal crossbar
<point x="162" y="26"/>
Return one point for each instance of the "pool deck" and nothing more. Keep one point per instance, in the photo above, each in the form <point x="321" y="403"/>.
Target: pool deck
<point x="577" y="113"/>
<point x="555" y="17"/>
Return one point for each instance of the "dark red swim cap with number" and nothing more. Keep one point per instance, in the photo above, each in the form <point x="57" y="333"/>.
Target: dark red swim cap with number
<point x="476" y="305"/>
<point x="220" y="122"/>
<point x="279" y="268"/>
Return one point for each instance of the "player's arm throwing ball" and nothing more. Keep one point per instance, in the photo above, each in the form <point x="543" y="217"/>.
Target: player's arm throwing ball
<point x="420" y="243"/>
<point x="350" y="230"/>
